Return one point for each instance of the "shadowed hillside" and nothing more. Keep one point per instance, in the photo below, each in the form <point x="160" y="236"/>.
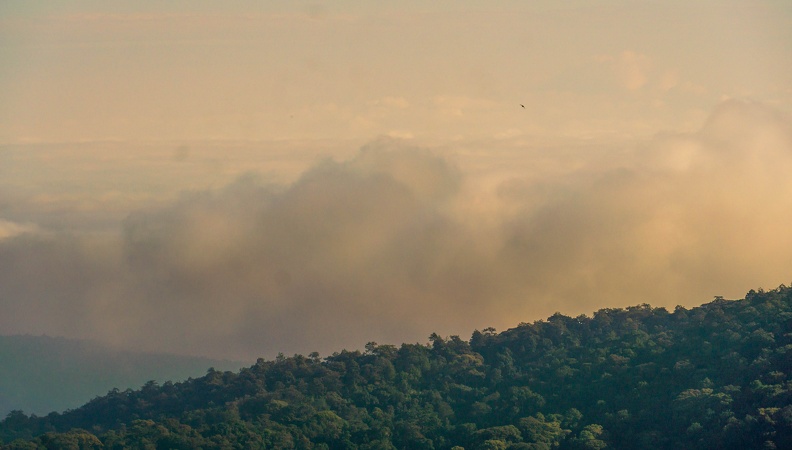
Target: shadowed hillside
<point x="39" y="374"/>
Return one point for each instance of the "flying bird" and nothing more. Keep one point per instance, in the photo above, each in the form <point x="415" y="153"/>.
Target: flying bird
<point x="522" y="105"/>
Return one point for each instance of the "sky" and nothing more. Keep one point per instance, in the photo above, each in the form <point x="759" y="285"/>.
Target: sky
<point x="237" y="179"/>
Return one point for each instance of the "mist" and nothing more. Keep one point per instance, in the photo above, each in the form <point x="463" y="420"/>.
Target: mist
<point x="399" y="241"/>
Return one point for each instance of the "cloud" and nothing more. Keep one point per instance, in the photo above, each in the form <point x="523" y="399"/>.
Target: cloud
<point x="632" y="68"/>
<point x="393" y="102"/>
<point x="282" y="266"/>
<point x="9" y="229"/>
<point x="397" y="242"/>
<point x="688" y="216"/>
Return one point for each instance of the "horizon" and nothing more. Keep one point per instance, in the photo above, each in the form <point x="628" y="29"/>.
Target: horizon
<point x="238" y="180"/>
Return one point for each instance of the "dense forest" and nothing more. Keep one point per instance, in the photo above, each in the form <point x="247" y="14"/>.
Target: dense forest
<point x="715" y="376"/>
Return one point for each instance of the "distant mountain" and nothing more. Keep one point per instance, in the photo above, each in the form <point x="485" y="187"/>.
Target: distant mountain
<point x="718" y="376"/>
<point x="41" y="374"/>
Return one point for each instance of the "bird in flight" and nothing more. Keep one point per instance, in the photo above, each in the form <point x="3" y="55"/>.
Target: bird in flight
<point x="523" y="106"/>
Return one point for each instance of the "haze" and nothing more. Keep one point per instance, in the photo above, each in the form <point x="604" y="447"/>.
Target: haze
<point x="250" y="178"/>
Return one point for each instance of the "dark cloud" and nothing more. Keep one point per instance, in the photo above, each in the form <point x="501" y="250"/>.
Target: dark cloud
<point x="397" y="242"/>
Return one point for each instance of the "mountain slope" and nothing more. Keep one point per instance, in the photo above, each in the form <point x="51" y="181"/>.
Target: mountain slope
<point x="715" y="376"/>
<point x="39" y="374"/>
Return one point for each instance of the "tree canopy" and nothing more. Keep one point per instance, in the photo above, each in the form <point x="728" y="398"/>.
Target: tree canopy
<point x="715" y="376"/>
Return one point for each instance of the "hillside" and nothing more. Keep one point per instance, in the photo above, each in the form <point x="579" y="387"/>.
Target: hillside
<point x="714" y="376"/>
<point x="39" y="374"/>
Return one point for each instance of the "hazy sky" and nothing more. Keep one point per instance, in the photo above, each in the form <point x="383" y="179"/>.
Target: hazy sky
<point x="239" y="178"/>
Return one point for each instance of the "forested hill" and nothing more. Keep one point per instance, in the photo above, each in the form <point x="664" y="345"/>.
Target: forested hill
<point x="716" y="376"/>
